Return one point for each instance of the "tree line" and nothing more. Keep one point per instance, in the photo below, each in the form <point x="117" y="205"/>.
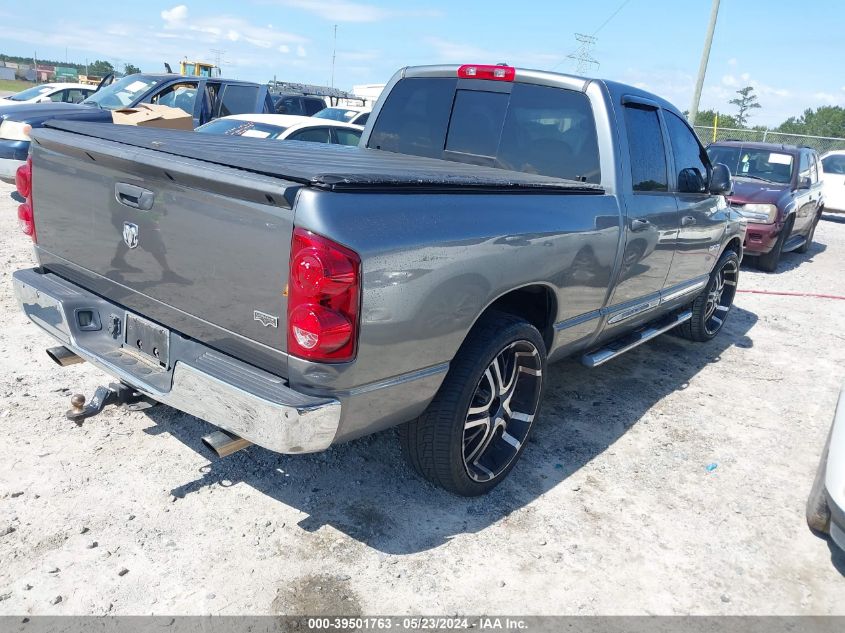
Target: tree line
<point x="821" y="121"/>
<point x="98" y="68"/>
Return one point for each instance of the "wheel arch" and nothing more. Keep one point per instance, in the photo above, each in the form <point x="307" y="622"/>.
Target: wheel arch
<point x="535" y="302"/>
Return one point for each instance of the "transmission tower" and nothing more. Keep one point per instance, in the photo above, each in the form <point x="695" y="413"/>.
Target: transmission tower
<point x="218" y="53"/>
<point x="584" y="55"/>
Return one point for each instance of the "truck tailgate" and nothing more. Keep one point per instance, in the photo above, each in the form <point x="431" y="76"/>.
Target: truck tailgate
<point x="198" y="248"/>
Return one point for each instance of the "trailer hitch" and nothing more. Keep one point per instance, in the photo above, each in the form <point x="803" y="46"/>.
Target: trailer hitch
<point x="116" y="393"/>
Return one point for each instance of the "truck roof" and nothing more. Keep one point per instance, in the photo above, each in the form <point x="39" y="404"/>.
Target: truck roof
<point x="326" y="166"/>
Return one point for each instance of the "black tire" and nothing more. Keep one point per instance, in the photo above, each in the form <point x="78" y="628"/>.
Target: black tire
<point x="769" y="262"/>
<point x="436" y="443"/>
<point x="711" y="308"/>
<point x="806" y="245"/>
<point x="818" y="512"/>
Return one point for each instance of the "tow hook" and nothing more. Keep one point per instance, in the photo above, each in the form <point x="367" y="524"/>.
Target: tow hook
<point x="116" y="393"/>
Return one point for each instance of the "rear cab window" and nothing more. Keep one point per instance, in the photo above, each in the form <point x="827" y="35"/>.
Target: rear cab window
<point x="533" y="129"/>
<point x="238" y="99"/>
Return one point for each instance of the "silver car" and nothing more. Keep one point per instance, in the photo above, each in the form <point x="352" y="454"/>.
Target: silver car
<point x="826" y="505"/>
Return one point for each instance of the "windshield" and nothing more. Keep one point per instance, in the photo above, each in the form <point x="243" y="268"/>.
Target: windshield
<point x="337" y="114"/>
<point x="235" y="127"/>
<point x="121" y="93"/>
<point x="757" y="164"/>
<point x="31" y="93"/>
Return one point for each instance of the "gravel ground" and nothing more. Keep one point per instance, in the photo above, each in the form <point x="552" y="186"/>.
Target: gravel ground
<point x="670" y="481"/>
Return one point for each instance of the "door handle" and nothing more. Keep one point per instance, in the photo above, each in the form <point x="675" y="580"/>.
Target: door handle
<point x="687" y="220"/>
<point x="134" y="196"/>
<point x="639" y="225"/>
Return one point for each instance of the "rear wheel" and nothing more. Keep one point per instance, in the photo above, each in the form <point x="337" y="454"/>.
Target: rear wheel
<point x="769" y="262"/>
<point x="477" y="426"/>
<point x="710" y="309"/>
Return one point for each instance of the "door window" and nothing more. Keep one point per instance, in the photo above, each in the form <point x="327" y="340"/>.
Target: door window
<point x="238" y="99"/>
<point x="688" y="153"/>
<point x="347" y="137"/>
<point x="313" y="135"/>
<point x="181" y="95"/>
<point x="804" y="165"/>
<point x="646" y="149"/>
<point x="814" y="169"/>
<point x="74" y="95"/>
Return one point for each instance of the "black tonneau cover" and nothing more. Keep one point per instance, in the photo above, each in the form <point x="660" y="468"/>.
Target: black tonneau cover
<point x="332" y="167"/>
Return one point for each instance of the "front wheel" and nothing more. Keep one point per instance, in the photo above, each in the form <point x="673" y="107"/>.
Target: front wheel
<point x="768" y="262"/>
<point x="710" y="309"/>
<point x="477" y="426"/>
<point x="806" y="245"/>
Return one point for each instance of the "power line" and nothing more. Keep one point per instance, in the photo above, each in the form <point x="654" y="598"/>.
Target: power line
<point x="612" y="15"/>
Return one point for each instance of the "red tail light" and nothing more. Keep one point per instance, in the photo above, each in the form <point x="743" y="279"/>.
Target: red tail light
<point x="486" y="71"/>
<point x="323" y="296"/>
<point x="23" y="181"/>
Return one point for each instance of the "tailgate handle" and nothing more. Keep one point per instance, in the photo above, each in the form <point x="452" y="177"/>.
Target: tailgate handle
<point x="134" y="196"/>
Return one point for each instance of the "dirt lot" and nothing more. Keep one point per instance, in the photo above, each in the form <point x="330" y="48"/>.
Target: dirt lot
<point x="670" y="481"/>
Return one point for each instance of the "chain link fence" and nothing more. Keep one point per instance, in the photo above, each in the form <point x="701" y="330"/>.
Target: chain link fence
<point x="821" y="144"/>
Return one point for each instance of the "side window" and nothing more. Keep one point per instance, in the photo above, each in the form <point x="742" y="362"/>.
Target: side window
<point x="814" y="168"/>
<point x="313" y="106"/>
<point x="647" y="152"/>
<point x="688" y="155"/>
<point x="347" y="137"/>
<point x="313" y="135"/>
<point x="74" y="95"/>
<point x="59" y="96"/>
<point x="415" y="117"/>
<point x="804" y="165"/>
<point x="238" y="99"/>
<point x="362" y="120"/>
<point x="180" y="95"/>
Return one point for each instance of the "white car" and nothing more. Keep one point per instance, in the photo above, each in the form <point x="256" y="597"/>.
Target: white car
<point x="55" y="93"/>
<point x="833" y="166"/>
<point x="288" y="127"/>
<point x="826" y="504"/>
<point x="347" y="114"/>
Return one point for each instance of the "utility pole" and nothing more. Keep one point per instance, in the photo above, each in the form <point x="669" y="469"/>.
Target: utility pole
<point x="702" y="68"/>
<point x="35" y="64"/>
<point x="334" y="52"/>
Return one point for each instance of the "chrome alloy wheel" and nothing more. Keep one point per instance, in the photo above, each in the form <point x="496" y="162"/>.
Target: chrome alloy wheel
<point x="502" y="410"/>
<point x="720" y="296"/>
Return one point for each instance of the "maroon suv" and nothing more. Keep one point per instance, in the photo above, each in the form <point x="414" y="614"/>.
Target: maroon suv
<point x="778" y="190"/>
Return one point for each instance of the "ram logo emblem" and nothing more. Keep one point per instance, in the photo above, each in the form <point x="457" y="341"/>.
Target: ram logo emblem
<point x="267" y="320"/>
<point x="130" y="234"/>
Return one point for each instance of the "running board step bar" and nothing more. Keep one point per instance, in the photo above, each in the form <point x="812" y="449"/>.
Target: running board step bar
<point x="635" y="339"/>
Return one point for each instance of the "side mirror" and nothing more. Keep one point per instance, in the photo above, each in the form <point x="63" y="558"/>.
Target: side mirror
<point x="805" y="183"/>
<point x="721" y="183"/>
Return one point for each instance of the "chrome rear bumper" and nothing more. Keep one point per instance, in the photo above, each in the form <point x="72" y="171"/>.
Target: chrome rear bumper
<point x="228" y="393"/>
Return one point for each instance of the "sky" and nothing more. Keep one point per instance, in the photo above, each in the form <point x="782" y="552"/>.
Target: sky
<point x="790" y="52"/>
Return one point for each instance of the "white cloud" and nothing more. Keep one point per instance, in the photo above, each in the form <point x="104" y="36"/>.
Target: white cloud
<point x="732" y="61"/>
<point x="176" y="15"/>
<point x="300" y="51"/>
<point x="284" y="48"/>
<point x="826" y="98"/>
<point x="347" y="11"/>
<point x="729" y="80"/>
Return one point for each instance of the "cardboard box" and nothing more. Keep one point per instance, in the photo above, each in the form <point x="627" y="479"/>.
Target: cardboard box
<point x="151" y="115"/>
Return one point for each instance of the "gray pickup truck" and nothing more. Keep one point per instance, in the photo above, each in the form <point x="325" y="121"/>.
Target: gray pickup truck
<point x="296" y="295"/>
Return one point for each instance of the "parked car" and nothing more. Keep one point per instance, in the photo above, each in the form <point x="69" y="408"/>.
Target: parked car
<point x="284" y="127"/>
<point x="778" y="189"/>
<point x="300" y="295"/>
<point x="348" y="114"/>
<point x="826" y="503"/>
<point x="833" y="166"/>
<point x="300" y="105"/>
<point x="204" y="98"/>
<point x="46" y="93"/>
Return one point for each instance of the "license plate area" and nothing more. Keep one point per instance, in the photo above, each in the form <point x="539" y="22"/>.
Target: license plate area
<point x="147" y="341"/>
